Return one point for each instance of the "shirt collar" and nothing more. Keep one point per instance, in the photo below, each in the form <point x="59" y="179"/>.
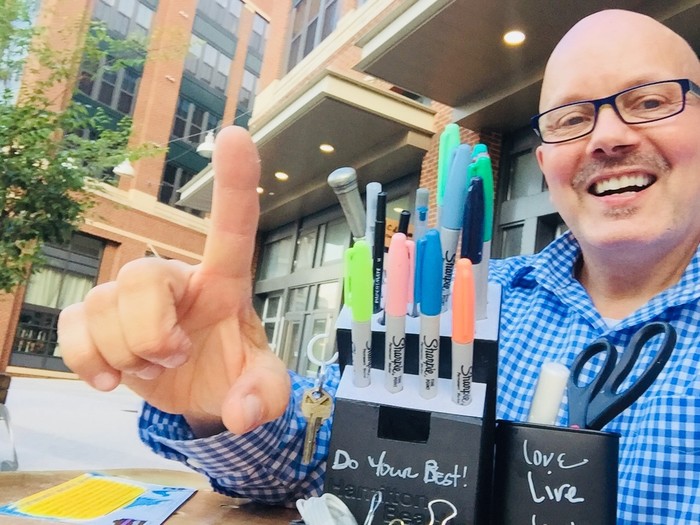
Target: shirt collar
<point x="554" y="267"/>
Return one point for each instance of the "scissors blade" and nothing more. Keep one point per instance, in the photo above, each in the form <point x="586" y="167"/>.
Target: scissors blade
<point x="608" y="403"/>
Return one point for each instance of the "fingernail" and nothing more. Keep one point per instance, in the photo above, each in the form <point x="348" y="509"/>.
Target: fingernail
<point x="104" y="381"/>
<point x="150" y="372"/>
<point x="252" y="411"/>
<point x="174" y="360"/>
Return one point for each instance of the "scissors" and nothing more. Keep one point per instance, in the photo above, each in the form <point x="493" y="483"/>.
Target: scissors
<point x="596" y="403"/>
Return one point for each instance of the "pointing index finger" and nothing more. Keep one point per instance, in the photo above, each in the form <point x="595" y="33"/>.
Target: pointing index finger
<point x="229" y="247"/>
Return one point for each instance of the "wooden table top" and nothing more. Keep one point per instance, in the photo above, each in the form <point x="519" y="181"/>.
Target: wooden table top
<point x="205" y="507"/>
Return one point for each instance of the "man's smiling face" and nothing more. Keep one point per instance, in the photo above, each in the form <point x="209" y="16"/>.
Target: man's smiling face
<point x="624" y="185"/>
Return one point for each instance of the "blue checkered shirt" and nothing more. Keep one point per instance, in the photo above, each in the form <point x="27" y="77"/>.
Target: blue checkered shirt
<point x="546" y="315"/>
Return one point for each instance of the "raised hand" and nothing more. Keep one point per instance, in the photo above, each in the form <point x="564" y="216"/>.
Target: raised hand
<point x="186" y="338"/>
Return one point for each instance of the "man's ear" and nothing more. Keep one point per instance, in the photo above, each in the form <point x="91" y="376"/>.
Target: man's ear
<point x="539" y="154"/>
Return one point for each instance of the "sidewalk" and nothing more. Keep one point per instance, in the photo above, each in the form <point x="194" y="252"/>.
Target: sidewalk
<point x="62" y="424"/>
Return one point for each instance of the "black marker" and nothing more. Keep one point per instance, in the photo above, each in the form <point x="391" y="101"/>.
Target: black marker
<point x="403" y="222"/>
<point x="378" y="249"/>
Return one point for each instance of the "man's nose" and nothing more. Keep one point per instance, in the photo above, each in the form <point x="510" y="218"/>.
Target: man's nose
<point x="611" y="134"/>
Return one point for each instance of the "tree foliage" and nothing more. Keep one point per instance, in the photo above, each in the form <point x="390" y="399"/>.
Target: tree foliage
<point x="52" y="153"/>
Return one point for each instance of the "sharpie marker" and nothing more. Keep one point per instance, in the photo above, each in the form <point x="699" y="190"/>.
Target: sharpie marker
<point x="398" y="273"/>
<point x="420" y="216"/>
<point x="428" y="290"/>
<point x="449" y="140"/>
<point x="462" y="332"/>
<point x="481" y="167"/>
<point x="378" y="251"/>
<point x="452" y="216"/>
<point x="358" y="297"/>
<point x="371" y="191"/>
<point x="420" y="226"/>
<point x="473" y="224"/>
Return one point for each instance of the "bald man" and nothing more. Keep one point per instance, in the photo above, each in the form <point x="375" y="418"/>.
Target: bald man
<point x="620" y="130"/>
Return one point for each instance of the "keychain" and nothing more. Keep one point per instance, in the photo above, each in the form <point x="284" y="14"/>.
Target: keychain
<point x="316" y="404"/>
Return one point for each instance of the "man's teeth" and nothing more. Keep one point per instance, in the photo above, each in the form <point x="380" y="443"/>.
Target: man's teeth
<point x="626" y="183"/>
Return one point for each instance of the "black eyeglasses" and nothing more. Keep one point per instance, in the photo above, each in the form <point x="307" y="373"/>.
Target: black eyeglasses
<point x="636" y="105"/>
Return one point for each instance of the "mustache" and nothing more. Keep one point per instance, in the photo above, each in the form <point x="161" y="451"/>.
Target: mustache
<point x="652" y="162"/>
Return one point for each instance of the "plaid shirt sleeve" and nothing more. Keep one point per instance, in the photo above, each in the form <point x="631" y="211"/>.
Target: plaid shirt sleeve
<point x="263" y="465"/>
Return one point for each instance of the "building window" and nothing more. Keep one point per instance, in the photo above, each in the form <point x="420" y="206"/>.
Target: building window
<point x="115" y="88"/>
<point x="525" y="177"/>
<point x="335" y="241"/>
<point x="225" y="13"/>
<point x="305" y="252"/>
<point x="314" y="20"/>
<point x="327" y="295"/>
<point x="126" y="17"/>
<point x="511" y="240"/>
<point x="258" y="38"/>
<point x="246" y="98"/>
<point x="208" y="64"/>
<point x="251" y="73"/>
<point x="174" y="178"/>
<point x="272" y="315"/>
<point x="525" y="218"/>
<point x="69" y="274"/>
<point x="191" y="120"/>
<point x="277" y="256"/>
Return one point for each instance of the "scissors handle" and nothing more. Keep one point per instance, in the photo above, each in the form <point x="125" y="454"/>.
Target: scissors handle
<point x="608" y="403"/>
<point x="581" y="396"/>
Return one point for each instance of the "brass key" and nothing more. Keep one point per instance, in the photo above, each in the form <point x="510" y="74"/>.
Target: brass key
<point x="316" y="406"/>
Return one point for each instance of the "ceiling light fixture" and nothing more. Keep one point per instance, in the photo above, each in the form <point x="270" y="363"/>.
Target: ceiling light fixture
<point x="280" y="175"/>
<point x="260" y="190"/>
<point x="514" y="38"/>
<point x="326" y="148"/>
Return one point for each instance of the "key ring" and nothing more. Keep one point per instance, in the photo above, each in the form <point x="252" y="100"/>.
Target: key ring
<point x="432" y="513"/>
<point x="321" y="374"/>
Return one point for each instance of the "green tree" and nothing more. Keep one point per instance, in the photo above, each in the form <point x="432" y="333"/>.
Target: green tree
<point x="52" y="153"/>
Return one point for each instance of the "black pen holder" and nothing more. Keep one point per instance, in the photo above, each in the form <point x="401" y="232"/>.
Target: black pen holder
<point x="554" y="475"/>
<point x="410" y="449"/>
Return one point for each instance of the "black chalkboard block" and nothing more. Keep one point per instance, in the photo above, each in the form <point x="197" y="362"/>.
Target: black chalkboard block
<point x="412" y="456"/>
<point x="554" y="475"/>
<point x="410" y="449"/>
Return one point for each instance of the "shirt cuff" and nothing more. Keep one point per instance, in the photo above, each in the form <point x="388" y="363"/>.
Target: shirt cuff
<point x="263" y="464"/>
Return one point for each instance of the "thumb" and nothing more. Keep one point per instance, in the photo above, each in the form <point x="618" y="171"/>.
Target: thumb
<point x="260" y="394"/>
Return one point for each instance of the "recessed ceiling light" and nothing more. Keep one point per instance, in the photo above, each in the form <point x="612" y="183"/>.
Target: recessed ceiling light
<point x="280" y="175"/>
<point x="514" y="38"/>
<point x="326" y="148"/>
<point x="260" y="190"/>
<point x="271" y="193"/>
<point x="398" y="210"/>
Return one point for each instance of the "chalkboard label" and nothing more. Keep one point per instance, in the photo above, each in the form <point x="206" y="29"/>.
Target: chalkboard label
<point x="548" y="475"/>
<point x="409" y="474"/>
